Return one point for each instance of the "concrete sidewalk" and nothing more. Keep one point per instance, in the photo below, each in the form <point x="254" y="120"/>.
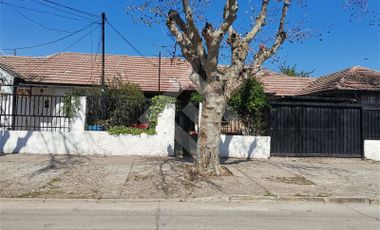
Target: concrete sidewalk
<point x="318" y="179"/>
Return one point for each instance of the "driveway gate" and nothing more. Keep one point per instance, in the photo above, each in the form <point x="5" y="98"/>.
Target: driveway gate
<point x="316" y="129"/>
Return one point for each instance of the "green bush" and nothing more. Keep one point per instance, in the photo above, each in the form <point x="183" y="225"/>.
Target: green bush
<point x="158" y="105"/>
<point x="121" y="103"/>
<point x="250" y="103"/>
<point x="196" y="97"/>
<point x="119" y="130"/>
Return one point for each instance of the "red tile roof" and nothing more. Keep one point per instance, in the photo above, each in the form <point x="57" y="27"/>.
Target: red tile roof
<point x="355" y="78"/>
<point x="283" y="85"/>
<point x="85" y="69"/>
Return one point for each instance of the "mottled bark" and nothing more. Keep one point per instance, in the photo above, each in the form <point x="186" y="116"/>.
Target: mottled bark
<point x="207" y="158"/>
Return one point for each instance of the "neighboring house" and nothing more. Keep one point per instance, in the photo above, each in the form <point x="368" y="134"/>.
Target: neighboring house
<point x="333" y="115"/>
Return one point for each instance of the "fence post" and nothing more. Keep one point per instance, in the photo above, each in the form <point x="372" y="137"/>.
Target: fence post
<point x="362" y="130"/>
<point x="79" y="121"/>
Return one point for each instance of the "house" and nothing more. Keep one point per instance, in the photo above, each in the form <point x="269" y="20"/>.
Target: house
<point x="333" y="115"/>
<point x="47" y="79"/>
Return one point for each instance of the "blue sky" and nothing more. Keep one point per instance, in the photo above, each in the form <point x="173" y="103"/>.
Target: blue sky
<point x="344" y="43"/>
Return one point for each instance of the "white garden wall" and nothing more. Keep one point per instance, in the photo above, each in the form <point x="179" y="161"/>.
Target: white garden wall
<point x="245" y="146"/>
<point x="372" y="149"/>
<point x="93" y="143"/>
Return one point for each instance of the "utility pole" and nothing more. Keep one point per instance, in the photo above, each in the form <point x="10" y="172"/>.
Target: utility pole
<point x="103" y="99"/>
<point x="103" y="49"/>
<point x="159" y="72"/>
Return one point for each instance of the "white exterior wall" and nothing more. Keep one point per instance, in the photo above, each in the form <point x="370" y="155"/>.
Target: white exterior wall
<point x="372" y="149"/>
<point x="93" y="143"/>
<point x="51" y="90"/>
<point x="245" y="146"/>
<point x="6" y="82"/>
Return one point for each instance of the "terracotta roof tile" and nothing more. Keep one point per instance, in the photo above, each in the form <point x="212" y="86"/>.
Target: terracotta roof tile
<point x="85" y="69"/>
<point x="355" y="78"/>
<point x="283" y="85"/>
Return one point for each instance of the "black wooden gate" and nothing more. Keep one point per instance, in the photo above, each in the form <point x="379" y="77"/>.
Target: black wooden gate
<point x="316" y="129"/>
<point x="371" y="122"/>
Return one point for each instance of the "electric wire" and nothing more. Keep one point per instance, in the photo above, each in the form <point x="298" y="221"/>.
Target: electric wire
<point x="37" y="23"/>
<point x="68" y="47"/>
<point x="44" y="12"/>
<point x="129" y="43"/>
<point x="71" y="8"/>
<point x="51" y="42"/>
<point x="65" y="11"/>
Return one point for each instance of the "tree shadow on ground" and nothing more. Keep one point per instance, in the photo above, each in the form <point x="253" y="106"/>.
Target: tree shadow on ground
<point x="229" y="161"/>
<point x="57" y="162"/>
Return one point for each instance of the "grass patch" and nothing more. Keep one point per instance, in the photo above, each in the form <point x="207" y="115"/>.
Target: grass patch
<point x="269" y="194"/>
<point x="46" y="190"/>
<point x="54" y="180"/>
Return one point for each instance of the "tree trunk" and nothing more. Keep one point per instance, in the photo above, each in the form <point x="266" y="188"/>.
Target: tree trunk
<point x="207" y="159"/>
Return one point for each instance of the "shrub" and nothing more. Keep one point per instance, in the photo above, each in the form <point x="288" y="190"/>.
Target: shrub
<point x="250" y="103"/>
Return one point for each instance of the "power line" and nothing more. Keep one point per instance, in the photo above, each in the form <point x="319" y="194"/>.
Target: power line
<point x="68" y="47"/>
<point x="129" y="43"/>
<point x="80" y="39"/>
<point x="93" y="61"/>
<point x="39" y="24"/>
<point x="56" y="8"/>
<point x="71" y="8"/>
<point x="65" y="49"/>
<point x="51" y="42"/>
<point x="44" y="12"/>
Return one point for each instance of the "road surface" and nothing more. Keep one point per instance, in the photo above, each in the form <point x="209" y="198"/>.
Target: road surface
<point x="81" y="214"/>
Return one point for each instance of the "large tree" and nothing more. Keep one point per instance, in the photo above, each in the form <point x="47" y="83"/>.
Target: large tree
<point x="202" y="47"/>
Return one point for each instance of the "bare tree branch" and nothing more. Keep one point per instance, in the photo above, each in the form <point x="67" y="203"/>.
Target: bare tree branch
<point x="265" y="53"/>
<point x="229" y="16"/>
<point x="260" y="22"/>
<point x="175" y="24"/>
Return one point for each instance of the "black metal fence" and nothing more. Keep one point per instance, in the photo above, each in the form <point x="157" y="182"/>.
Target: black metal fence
<point x="238" y="126"/>
<point x="34" y="112"/>
<point x="322" y="129"/>
<point x="246" y="125"/>
<point x="103" y="112"/>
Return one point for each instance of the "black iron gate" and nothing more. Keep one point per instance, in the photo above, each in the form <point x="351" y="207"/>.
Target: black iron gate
<point x="316" y="129"/>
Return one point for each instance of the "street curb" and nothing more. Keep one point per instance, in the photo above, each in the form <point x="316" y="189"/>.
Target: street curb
<point x="336" y="200"/>
<point x="233" y="198"/>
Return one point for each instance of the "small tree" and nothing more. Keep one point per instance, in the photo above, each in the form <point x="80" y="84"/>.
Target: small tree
<point x="250" y="102"/>
<point x="292" y="71"/>
<point x="126" y="102"/>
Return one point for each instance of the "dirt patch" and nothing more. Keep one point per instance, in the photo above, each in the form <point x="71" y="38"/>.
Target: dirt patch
<point x="116" y="177"/>
<point x="298" y="180"/>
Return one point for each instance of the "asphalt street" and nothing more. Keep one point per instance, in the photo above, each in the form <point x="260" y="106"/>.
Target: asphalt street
<point x="119" y="214"/>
